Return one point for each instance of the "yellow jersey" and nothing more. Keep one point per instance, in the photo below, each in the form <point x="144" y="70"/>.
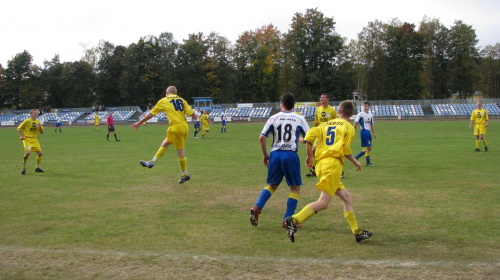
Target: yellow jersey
<point x="333" y="139"/>
<point x="479" y="116"/>
<point x="175" y="108"/>
<point x="204" y="119"/>
<point x="29" y="127"/>
<point x="325" y="114"/>
<point x="96" y="118"/>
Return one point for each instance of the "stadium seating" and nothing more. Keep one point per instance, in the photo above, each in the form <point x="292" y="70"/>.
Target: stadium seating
<point x="462" y="109"/>
<point x="117" y="115"/>
<point x="253" y="112"/>
<point x="395" y="110"/>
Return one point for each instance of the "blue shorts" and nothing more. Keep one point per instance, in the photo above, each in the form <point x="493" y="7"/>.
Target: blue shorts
<point x="197" y="124"/>
<point x="58" y="124"/>
<point x="366" y="138"/>
<point x="284" y="163"/>
<point x="223" y="122"/>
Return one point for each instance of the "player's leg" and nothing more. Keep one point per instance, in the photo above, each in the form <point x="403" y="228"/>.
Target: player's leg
<point x="477" y="142"/>
<point x="161" y="151"/>
<point x="39" y="161"/>
<point x="25" y="160"/>
<point x="350" y="217"/>
<point x="178" y="137"/>
<point x="274" y="177"/>
<point x="264" y="196"/>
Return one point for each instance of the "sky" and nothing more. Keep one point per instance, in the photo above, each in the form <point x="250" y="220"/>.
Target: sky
<point x="63" y="27"/>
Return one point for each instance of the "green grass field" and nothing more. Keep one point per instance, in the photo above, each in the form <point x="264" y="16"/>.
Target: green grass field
<point x="431" y="201"/>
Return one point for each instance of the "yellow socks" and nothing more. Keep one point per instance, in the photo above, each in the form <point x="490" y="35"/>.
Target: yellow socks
<point x="161" y="151"/>
<point x="485" y="143"/>
<point x="304" y="214"/>
<point x="183" y="164"/>
<point x="271" y="190"/>
<point x="38" y="161"/>
<point x="353" y="223"/>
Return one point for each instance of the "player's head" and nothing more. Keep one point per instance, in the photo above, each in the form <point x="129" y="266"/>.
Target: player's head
<point x="479" y="104"/>
<point x="366" y="106"/>
<point x="288" y="101"/>
<point x="34" y="113"/>
<point x="171" y="90"/>
<point x="325" y="97"/>
<point x="346" y="108"/>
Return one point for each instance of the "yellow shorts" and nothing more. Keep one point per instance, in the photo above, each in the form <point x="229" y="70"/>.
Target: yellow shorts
<point x="479" y="129"/>
<point x="176" y="135"/>
<point x="205" y="126"/>
<point x="31" y="144"/>
<point x="329" y="171"/>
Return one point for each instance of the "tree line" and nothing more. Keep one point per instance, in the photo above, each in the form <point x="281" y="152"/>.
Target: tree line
<point x="388" y="60"/>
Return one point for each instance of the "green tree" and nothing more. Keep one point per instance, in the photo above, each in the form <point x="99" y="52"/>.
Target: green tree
<point x="489" y="71"/>
<point x="373" y="54"/>
<point x="435" y="76"/>
<point x="220" y="72"/>
<point x="315" y="46"/>
<point x="463" y="58"/>
<point x="405" y="50"/>
<point x="20" y="82"/>
<point x="190" y="67"/>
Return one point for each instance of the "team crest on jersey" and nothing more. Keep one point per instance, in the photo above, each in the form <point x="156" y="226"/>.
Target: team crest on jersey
<point x="323" y="114"/>
<point x="33" y="124"/>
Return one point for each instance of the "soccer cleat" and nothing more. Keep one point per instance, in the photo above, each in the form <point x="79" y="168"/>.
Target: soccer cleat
<point x="23" y="171"/>
<point x="485" y="149"/>
<point x="117" y="140"/>
<point x="254" y="215"/>
<point x="370" y="164"/>
<point x="363" y="236"/>
<point x="107" y="140"/>
<point x="290" y="228"/>
<point x="195" y="137"/>
<point x="147" y="164"/>
<point x="311" y="174"/>
<point x="39" y="170"/>
<point x="478" y="150"/>
<point x="283" y="224"/>
<point x="184" y="179"/>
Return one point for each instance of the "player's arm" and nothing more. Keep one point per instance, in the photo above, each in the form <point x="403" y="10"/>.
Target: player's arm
<point x="471" y="122"/>
<point x="40" y="128"/>
<point x="373" y="131"/>
<point x="265" y="155"/>
<point x="310" y="154"/>
<point x="21" y="135"/>
<point x="137" y="124"/>
<point x="354" y="161"/>
<point x="487" y="119"/>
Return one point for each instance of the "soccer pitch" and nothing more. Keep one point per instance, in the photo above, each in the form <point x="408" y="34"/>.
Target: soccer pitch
<point x="431" y="202"/>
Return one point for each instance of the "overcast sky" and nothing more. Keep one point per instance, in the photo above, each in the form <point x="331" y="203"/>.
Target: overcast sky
<point x="46" y="28"/>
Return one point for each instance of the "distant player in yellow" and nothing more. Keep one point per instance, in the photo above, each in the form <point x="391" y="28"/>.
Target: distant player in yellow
<point x="297" y="111"/>
<point x="205" y="124"/>
<point x="324" y="113"/>
<point x="176" y="109"/>
<point x="479" y="118"/>
<point x="334" y="138"/>
<point x="28" y="132"/>
<point x="96" y="122"/>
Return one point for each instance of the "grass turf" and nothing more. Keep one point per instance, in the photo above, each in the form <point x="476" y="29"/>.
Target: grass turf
<point x="431" y="201"/>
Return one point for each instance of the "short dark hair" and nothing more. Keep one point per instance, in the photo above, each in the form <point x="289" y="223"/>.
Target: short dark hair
<point x="288" y="100"/>
<point x="346" y="108"/>
<point x="326" y="94"/>
<point x="366" y="102"/>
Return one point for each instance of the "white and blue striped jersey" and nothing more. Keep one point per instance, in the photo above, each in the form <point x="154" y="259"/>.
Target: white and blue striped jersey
<point x="286" y="128"/>
<point x="365" y="120"/>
